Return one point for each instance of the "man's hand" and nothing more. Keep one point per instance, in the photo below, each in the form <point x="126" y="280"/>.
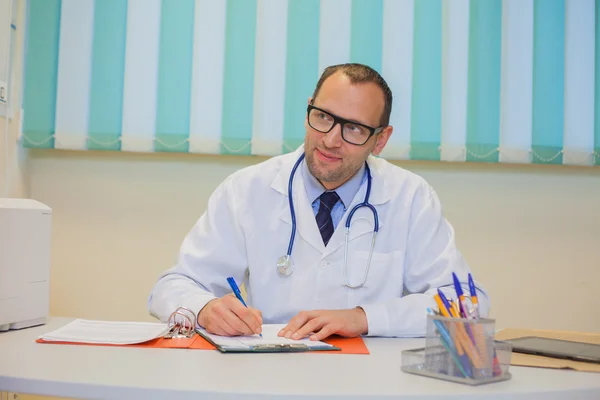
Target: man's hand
<point x="227" y="316"/>
<point x="319" y="324"/>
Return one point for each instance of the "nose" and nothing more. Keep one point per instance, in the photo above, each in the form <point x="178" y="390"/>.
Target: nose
<point x="333" y="138"/>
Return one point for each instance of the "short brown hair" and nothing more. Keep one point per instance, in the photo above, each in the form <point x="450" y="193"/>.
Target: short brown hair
<point x="360" y="73"/>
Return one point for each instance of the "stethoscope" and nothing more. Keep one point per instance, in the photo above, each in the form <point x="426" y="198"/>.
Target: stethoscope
<point x="285" y="264"/>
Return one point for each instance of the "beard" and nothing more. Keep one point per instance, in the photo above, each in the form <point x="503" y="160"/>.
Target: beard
<point x="340" y="174"/>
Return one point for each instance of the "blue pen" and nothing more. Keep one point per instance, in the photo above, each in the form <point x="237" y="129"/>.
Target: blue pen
<point x="446" y="302"/>
<point x="462" y="306"/>
<point x="236" y="291"/>
<point x="443" y="332"/>
<point x="460" y="295"/>
<point x="451" y="311"/>
<point x="474" y="299"/>
<point x="447" y="342"/>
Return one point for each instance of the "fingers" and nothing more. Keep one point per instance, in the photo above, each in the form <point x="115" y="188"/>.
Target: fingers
<point x="313" y="325"/>
<point x="247" y="320"/>
<point x="258" y="317"/>
<point x="222" y="328"/>
<point x="324" y="333"/>
<point x="233" y="325"/>
<point x="320" y="324"/>
<point x="225" y="324"/>
<point x="296" y="323"/>
<point x="227" y="316"/>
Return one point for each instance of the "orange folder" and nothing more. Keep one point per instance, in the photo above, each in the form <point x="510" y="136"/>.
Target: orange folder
<point x="347" y="345"/>
<point x="158" y="343"/>
<point x="354" y="345"/>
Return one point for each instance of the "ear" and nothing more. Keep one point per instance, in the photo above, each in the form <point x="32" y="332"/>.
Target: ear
<point x="382" y="139"/>
<point x="306" y="114"/>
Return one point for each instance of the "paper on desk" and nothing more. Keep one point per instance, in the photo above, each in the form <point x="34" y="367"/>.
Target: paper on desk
<point x="530" y="360"/>
<point x="106" y="332"/>
<point x="269" y="337"/>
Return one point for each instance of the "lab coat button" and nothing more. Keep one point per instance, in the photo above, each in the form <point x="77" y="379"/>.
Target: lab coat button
<point x="323" y="264"/>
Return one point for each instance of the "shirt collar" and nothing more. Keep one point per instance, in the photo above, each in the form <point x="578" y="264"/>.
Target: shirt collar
<point x="347" y="191"/>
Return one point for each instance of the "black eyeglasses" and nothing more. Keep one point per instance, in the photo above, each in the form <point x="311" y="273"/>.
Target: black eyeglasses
<point x="352" y="132"/>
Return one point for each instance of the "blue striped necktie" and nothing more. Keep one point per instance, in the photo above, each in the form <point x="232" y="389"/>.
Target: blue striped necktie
<point x="324" y="222"/>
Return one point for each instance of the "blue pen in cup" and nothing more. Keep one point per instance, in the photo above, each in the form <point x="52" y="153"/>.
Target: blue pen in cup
<point x="238" y="294"/>
<point x="460" y="296"/>
<point x="445" y="338"/>
<point x="446" y="303"/>
<point x="474" y="300"/>
<point x="463" y="308"/>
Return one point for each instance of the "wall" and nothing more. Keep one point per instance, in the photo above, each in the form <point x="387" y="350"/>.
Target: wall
<point x="13" y="162"/>
<point x="530" y="233"/>
<point x="13" y="159"/>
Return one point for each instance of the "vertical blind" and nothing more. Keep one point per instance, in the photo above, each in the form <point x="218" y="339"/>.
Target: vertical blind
<point x="473" y="80"/>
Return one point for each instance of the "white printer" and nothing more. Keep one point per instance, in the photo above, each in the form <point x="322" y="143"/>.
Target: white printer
<point x="25" y="230"/>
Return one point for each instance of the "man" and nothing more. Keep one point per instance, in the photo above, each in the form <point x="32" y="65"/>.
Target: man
<point x="334" y="288"/>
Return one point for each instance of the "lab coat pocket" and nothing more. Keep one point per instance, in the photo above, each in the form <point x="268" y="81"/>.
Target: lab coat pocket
<point x="368" y="271"/>
<point x="371" y="283"/>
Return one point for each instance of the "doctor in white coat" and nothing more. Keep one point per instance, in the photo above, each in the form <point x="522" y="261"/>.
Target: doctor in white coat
<point x="331" y="287"/>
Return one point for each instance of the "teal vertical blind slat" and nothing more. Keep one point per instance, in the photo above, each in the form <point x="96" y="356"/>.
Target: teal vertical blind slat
<point x="426" y="113"/>
<point x="107" y="75"/>
<point x="597" y="89"/>
<point x="302" y="68"/>
<point x="366" y="41"/>
<point x="238" y="81"/>
<point x="41" y="71"/>
<point x="468" y="62"/>
<point x="175" y="76"/>
<point x="548" y="81"/>
<point x="483" y="94"/>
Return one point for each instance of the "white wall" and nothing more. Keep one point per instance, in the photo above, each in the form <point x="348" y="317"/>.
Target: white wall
<point x="531" y="233"/>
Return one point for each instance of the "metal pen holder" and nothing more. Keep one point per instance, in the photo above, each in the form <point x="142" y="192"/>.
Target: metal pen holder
<point x="460" y="350"/>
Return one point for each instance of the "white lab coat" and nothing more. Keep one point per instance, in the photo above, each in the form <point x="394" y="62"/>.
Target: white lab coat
<point x="246" y="228"/>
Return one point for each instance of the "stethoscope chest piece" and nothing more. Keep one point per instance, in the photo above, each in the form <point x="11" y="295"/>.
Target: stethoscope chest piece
<point x="285" y="265"/>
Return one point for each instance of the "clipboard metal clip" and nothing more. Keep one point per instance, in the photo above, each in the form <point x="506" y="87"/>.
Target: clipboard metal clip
<point x="181" y="323"/>
<point x="280" y="347"/>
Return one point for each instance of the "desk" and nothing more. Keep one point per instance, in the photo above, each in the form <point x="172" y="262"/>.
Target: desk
<point x="128" y="373"/>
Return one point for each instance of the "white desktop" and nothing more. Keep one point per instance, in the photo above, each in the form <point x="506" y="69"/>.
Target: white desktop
<point x="25" y="233"/>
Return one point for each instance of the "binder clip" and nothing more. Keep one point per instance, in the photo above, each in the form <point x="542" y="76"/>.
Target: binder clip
<point x="182" y="323"/>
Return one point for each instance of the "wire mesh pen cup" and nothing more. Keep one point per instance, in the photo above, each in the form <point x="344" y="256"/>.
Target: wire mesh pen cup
<point x="460" y="350"/>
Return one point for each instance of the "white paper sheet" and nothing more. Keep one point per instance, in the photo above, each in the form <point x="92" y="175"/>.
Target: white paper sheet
<point x="269" y="332"/>
<point x="107" y="332"/>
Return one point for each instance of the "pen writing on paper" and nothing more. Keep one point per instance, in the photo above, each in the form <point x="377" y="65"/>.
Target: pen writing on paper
<point x="238" y="294"/>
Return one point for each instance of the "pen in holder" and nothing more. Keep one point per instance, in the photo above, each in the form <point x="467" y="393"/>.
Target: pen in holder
<point x="460" y="350"/>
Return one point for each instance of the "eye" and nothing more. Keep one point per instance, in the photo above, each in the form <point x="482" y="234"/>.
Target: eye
<point x="353" y="128"/>
<point x="325" y="117"/>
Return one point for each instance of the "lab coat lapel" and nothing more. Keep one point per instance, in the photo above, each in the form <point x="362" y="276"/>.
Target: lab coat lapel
<point x="306" y="226"/>
<point x="380" y="194"/>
